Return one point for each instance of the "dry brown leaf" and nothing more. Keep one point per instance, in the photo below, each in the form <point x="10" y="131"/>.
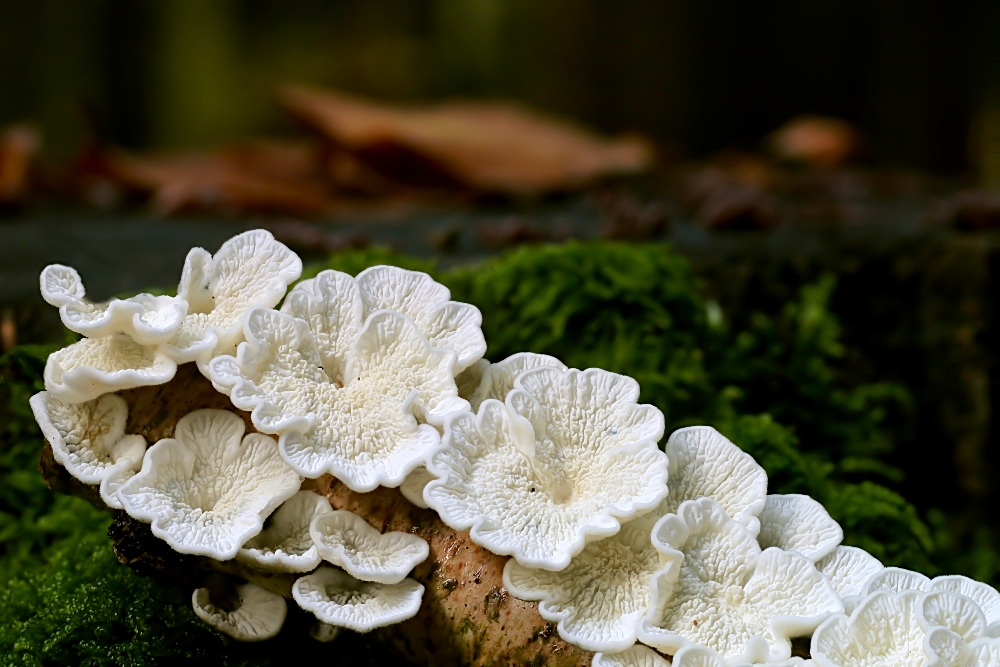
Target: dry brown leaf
<point x="488" y="147"/>
<point x="814" y="140"/>
<point x="18" y="146"/>
<point x="255" y="177"/>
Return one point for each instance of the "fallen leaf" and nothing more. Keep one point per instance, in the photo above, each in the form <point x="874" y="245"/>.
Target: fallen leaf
<point x="488" y="147"/>
<point x="261" y="176"/>
<point x="814" y="140"/>
<point x="18" y="146"/>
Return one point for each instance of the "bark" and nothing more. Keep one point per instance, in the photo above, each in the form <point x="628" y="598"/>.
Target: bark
<point x="467" y="617"/>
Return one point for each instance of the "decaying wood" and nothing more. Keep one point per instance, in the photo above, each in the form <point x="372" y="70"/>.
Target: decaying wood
<point x="467" y="617"/>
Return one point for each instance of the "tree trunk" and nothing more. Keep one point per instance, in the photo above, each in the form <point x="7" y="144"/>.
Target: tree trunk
<point x="467" y="617"/>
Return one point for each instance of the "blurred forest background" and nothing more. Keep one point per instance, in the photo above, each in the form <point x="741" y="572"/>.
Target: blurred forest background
<point x="920" y="77"/>
<point x="825" y="293"/>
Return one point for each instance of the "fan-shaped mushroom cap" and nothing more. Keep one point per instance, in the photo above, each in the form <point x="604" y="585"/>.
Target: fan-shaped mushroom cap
<point x="728" y="595"/>
<point x="598" y="600"/>
<point x="567" y="458"/>
<point x="884" y="631"/>
<point x="897" y="580"/>
<point x="950" y="650"/>
<point x="250" y="270"/>
<point x="259" y="616"/>
<point x="498" y="379"/>
<point x="359" y="426"/>
<point x="636" y="656"/>
<point x="145" y="318"/>
<point x="285" y="545"/>
<point x="795" y="522"/>
<point x="448" y="324"/>
<point x="702" y="656"/>
<point x="600" y="597"/>
<point x="347" y="540"/>
<point x="94" y="366"/>
<point x="208" y="490"/>
<point x="337" y="305"/>
<point x="954" y="611"/>
<point x="984" y="595"/>
<point x="89" y="439"/>
<point x="412" y="487"/>
<point x="337" y="598"/>
<point x="704" y="463"/>
<point x="849" y="569"/>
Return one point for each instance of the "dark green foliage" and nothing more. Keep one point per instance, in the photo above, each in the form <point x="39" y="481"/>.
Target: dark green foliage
<point x="770" y="382"/>
<point x="83" y="608"/>
<point x="31" y="517"/>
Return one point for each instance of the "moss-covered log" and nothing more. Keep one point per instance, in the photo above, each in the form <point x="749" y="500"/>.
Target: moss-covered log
<point x="467" y="617"/>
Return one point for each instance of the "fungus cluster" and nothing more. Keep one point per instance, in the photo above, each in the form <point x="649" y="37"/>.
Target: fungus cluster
<point x="633" y="552"/>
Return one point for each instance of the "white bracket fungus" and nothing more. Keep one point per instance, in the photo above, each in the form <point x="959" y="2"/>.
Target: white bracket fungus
<point x="884" y="631"/>
<point x="91" y="367"/>
<point x="357" y="423"/>
<point x="258" y="613"/>
<point x="285" y="545"/>
<point x="146" y="319"/>
<point x="209" y="489"/>
<point x="951" y="650"/>
<point x="339" y="599"/>
<point x="599" y="599"/>
<point x="636" y="656"/>
<point x="497" y="380"/>
<point x="345" y="539"/>
<point x="796" y="522"/>
<point x="702" y="656"/>
<point x="89" y="439"/>
<point x="849" y="570"/>
<point x="139" y="341"/>
<point x="249" y="270"/>
<point x="594" y="463"/>
<point x="724" y="593"/>
<point x="705" y="464"/>
<point x="336" y="306"/>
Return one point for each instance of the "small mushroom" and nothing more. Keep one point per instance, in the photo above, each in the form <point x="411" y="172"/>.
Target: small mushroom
<point x="796" y="522"/>
<point x="897" y="580"/>
<point x="250" y="270"/>
<point x="598" y="600"/>
<point x="568" y="458"/>
<point x="256" y="614"/>
<point x="337" y="306"/>
<point x="146" y="319"/>
<point x="635" y="656"/>
<point x="89" y="439"/>
<point x="208" y="490"/>
<point x="285" y="545"/>
<point x="884" y="631"/>
<point x="723" y="592"/>
<point x="705" y="464"/>
<point x="339" y="599"/>
<point x="360" y="425"/>
<point x="91" y="367"/>
<point x="849" y="569"/>
<point x="951" y="650"/>
<point x="498" y="379"/>
<point x="984" y="595"/>
<point x="345" y="539"/>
